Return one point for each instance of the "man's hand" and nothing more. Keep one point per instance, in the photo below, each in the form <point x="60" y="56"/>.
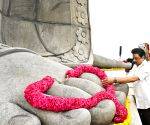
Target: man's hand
<point x="107" y="81"/>
<point x="121" y="80"/>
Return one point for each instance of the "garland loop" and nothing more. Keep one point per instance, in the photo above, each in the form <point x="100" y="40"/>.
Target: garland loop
<point x="34" y="94"/>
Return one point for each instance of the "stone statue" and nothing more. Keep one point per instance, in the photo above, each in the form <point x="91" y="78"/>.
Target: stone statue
<point x="19" y="67"/>
<point x="60" y="31"/>
<point x="57" y="29"/>
<point x="54" y="28"/>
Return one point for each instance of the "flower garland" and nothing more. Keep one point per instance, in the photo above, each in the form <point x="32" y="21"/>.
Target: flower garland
<point x="128" y="119"/>
<point x="34" y="94"/>
<point x="121" y="111"/>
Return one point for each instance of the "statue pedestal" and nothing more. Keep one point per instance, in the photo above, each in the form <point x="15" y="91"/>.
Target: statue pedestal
<point x="135" y="118"/>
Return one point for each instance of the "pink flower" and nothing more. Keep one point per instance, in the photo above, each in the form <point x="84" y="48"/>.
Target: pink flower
<point x="34" y="94"/>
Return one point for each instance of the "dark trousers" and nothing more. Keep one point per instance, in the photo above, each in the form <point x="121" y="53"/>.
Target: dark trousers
<point x="145" y="116"/>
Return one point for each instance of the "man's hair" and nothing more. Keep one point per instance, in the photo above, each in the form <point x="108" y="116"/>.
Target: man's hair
<point x="138" y="51"/>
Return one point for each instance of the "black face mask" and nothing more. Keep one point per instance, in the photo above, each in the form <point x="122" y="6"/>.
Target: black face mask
<point x="133" y="62"/>
<point x="130" y="60"/>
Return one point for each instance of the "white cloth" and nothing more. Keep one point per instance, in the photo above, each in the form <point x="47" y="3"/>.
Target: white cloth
<point x="142" y="87"/>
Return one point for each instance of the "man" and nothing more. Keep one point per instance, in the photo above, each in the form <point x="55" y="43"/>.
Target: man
<point x="139" y="76"/>
<point x="146" y="48"/>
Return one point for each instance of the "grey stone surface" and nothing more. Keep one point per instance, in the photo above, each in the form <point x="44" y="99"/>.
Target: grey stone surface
<point x="20" y="8"/>
<point x="104" y="112"/>
<point x="20" y="68"/>
<point x="18" y="33"/>
<point x="92" y="78"/>
<point x="60" y="31"/>
<point x="86" y="85"/>
<point x="12" y="114"/>
<point x="67" y="91"/>
<point x="56" y="29"/>
<point x="53" y="28"/>
<point x="123" y="88"/>
<point x="39" y="37"/>
<point x="104" y="62"/>
<point x="57" y="11"/>
<point x="121" y="96"/>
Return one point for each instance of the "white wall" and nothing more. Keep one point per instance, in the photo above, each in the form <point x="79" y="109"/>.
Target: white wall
<point x="119" y="22"/>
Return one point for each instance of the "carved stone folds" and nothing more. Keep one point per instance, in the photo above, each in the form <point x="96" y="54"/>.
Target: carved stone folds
<point x="53" y="28"/>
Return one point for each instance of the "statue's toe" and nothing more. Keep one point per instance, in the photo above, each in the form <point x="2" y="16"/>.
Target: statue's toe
<point x="103" y="113"/>
<point x="12" y="114"/>
<point x="23" y="120"/>
<point x="77" y="117"/>
<point x="121" y="96"/>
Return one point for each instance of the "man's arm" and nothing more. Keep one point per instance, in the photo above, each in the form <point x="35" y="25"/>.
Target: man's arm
<point x="121" y="80"/>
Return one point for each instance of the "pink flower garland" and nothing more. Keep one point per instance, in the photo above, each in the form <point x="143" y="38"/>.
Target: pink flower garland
<point x="121" y="111"/>
<point x="34" y="94"/>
